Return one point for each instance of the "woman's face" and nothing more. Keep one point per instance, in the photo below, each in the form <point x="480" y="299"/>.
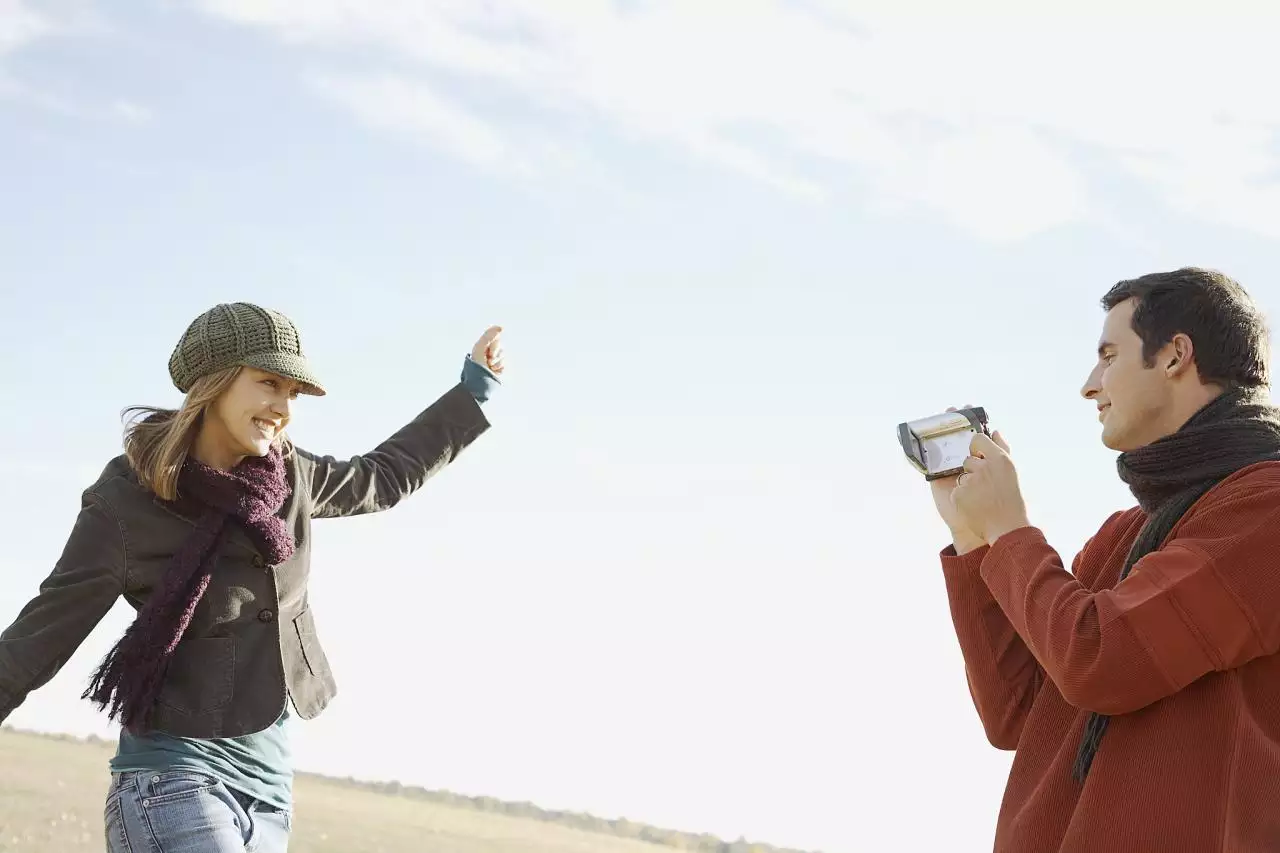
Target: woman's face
<point x="248" y="418"/>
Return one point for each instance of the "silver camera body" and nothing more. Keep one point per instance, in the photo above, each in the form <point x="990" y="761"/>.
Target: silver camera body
<point x="937" y="446"/>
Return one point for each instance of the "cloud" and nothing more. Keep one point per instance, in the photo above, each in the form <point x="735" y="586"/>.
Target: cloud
<point x="977" y="114"/>
<point x="132" y="112"/>
<point x="417" y="108"/>
<point x="19" y="26"/>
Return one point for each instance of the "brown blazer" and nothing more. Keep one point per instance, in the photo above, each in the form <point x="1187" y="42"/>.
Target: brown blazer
<point x="252" y="643"/>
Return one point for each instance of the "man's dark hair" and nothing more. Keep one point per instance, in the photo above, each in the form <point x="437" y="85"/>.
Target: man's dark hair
<point x="1231" y="338"/>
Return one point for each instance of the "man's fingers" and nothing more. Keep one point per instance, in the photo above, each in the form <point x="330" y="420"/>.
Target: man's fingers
<point x="999" y="441"/>
<point x="983" y="447"/>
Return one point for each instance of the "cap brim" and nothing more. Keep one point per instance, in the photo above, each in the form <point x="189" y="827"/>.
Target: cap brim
<point x="289" y="366"/>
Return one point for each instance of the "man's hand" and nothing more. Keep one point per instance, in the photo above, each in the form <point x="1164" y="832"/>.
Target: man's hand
<point x="964" y="539"/>
<point x="488" y="350"/>
<point x="986" y="496"/>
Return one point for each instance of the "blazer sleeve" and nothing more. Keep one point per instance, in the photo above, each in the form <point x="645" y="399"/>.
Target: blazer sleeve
<point x="83" y="586"/>
<point x="398" y="467"/>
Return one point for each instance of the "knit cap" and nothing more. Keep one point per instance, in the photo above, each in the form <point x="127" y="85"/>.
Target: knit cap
<point x="241" y="334"/>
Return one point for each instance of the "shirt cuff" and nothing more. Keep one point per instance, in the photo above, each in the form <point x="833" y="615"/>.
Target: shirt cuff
<point x="478" y="379"/>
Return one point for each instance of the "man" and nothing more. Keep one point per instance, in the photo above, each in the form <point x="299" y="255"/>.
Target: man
<point x="1140" y="690"/>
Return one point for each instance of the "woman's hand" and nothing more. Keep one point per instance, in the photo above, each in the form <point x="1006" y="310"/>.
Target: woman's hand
<point x="488" y="350"/>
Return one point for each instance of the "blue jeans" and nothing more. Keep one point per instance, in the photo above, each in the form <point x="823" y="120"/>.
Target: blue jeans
<point x="184" y="811"/>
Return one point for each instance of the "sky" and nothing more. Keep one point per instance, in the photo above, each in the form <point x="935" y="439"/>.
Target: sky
<point x="687" y="577"/>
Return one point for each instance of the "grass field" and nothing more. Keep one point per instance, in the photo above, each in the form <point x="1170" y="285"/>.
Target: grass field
<point x="51" y="797"/>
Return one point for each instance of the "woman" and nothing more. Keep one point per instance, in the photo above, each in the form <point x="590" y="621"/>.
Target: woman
<point x="203" y="525"/>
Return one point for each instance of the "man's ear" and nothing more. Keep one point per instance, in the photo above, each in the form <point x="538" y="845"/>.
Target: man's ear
<point x="1179" y="355"/>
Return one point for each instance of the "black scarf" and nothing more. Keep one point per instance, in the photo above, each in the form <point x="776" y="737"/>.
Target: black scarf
<point x="1238" y="428"/>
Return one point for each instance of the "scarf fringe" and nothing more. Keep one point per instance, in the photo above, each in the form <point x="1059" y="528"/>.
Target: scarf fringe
<point x="128" y="681"/>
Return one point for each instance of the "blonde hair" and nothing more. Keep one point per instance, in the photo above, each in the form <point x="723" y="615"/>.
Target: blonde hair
<point x="158" y="441"/>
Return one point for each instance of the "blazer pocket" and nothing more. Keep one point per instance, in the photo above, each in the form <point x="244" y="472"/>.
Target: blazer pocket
<point x="201" y="675"/>
<point x="312" y="652"/>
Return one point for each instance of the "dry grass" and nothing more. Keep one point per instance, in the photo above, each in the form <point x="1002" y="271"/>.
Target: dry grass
<point x="51" y="794"/>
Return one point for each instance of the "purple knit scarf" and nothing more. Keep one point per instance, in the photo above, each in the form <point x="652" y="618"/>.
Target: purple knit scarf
<point x="130" y="677"/>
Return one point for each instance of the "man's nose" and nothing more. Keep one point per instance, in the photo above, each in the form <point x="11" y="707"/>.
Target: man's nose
<point x="1091" y="386"/>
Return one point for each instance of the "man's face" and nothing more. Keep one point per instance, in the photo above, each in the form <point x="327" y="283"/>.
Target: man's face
<point x="1133" y="400"/>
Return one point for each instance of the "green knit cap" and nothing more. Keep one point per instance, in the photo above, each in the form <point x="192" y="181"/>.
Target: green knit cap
<point x="240" y="334"/>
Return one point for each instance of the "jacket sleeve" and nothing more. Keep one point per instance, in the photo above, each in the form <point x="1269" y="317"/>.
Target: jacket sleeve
<point x="72" y="600"/>
<point x="395" y="469"/>
<point x="1003" y="675"/>
<point x="1207" y="601"/>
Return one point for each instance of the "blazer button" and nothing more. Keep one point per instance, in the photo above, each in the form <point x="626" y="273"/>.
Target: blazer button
<point x="258" y="562"/>
<point x="266" y="615"/>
